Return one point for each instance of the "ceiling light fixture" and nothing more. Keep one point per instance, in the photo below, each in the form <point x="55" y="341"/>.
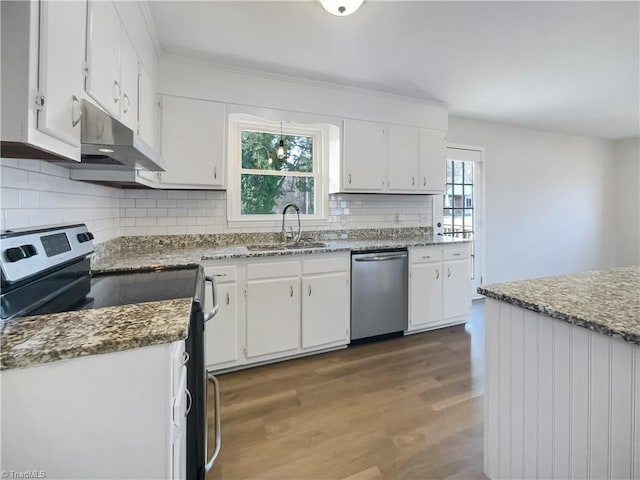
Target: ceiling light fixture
<point x="341" y="8"/>
<point x="280" y="153"/>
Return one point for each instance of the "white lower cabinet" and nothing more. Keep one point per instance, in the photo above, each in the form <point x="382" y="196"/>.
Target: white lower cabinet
<point x="273" y="316"/>
<point x="439" y="286"/>
<point x="275" y="308"/>
<point x="325" y="302"/>
<point x="222" y="331"/>
<point x="110" y="416"/>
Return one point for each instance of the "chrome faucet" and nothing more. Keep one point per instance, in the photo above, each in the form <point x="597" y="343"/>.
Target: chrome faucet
<point x="285" y="236"/>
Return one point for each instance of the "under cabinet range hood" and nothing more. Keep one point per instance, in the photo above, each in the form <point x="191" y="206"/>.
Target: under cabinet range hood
<point x="109" y="144"/>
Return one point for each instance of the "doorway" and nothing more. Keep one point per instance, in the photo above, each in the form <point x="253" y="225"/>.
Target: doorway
<point x="460" y="212"/>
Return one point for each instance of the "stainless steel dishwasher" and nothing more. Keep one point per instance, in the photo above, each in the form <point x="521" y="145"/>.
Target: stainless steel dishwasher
<point x="379" y="286"/>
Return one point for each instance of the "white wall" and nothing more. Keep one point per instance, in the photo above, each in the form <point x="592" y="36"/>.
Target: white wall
<point x="549" y="200"/>
<point x="34" y="192"/>
<point x="627" y="201"/>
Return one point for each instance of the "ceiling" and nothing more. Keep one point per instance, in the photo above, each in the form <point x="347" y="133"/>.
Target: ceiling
<point x="570" y="67"/>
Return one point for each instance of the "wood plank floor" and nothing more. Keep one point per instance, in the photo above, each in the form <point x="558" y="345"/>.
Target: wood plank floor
<point x="406" y="408"/>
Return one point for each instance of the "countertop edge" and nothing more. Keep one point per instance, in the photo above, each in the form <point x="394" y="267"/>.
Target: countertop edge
<point x="552" y="313"/>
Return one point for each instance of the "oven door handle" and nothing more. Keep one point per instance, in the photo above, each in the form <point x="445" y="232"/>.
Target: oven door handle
<point x="214" y="295"/>
<point x="209" y="465"/>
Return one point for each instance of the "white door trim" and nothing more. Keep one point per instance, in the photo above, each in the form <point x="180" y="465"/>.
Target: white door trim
<point x="481" y="213"/>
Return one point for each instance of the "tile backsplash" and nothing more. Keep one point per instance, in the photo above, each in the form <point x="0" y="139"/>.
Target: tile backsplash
<point x="174" y="212"/>
<point x="35" y="192"/>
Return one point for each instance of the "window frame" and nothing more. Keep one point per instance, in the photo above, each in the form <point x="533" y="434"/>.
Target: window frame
<point x="236" y="123"/>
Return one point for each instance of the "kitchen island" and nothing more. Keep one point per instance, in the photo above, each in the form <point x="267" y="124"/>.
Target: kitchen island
<point x="562" y="385"/>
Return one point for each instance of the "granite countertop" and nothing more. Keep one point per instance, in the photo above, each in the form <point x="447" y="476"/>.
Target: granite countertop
<point x="30" y="341"/>
<point x="140" y="258"/>
<point x="606" y="301"/>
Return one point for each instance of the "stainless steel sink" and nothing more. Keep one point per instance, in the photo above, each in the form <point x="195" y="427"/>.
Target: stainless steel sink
<point x="288" y="246"/>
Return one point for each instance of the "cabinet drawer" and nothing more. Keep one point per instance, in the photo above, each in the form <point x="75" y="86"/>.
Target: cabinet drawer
<point x="225" y="273"/>
<point x="326" y="264"/>
<point x="456" y="253"/>
<point x="425" y="255"/>
<point x="256" y="271"/>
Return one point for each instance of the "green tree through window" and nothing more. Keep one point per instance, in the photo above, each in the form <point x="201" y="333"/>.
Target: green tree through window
<point x="267" y="183"/>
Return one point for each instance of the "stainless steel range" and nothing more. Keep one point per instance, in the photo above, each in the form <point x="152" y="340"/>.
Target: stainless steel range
<point x="47" y="270"/>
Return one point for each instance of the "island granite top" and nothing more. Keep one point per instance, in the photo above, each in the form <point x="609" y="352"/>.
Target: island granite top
<point x="605" y="301"/>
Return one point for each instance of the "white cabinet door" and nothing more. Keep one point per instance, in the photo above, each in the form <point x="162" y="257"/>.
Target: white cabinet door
<point x="192" y="142"/>
<point x="456" y="287"/>
<point x="103" y="55"/>
<point x="148" y="110"/>
<point x="325" y="309"/>
<point x="403" y="159"/>
<point x="221" y="341"/>
<point x="425" y="280"/>
<point x="273" y="316"/>
<point x="365" y="156"/>
<point x="433" y="156"/>
<point x="60" y="74"/>
<point x="128" y="82"/>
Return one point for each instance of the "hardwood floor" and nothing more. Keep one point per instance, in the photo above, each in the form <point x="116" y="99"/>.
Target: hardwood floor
<point x="406" y="408"/>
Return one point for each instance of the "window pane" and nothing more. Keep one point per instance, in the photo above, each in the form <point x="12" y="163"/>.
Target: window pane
<point x="457" y="171"/>
<point x="259" y="152"/>
<point x="447" y="221"/>
<point x="468" y="220"/>
<point x="449" y="171"/>
<point x="268" y="194"/>
<point x="468" y="172"/>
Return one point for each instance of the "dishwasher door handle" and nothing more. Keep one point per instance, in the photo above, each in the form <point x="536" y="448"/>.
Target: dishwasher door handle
<point x="381" y="258"/>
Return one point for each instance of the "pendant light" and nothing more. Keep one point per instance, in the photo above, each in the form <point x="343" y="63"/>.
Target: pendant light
<point x="341" y="8"/>
<point x="280" y="152"/>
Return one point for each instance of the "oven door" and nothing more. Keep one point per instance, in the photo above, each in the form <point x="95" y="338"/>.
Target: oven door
<point x="198" y="462"/>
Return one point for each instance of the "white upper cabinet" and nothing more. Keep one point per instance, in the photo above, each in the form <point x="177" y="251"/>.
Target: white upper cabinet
<point x="103" y="55"/>
<point x="42" y="78"/>
<point x="148" y="110"/>
<point x="433" y="158"/>
<point x="403" y="159"/>
<point x="60" y="74"/>
<point x="381" y="158"/>
<point x="129" y="82"/>
<point x="364" y="160"/>
<point x="193" y="133"/>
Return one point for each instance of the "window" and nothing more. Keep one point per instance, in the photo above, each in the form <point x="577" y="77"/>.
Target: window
<point x="458" y="199"/>
<point x="261" y="184"/>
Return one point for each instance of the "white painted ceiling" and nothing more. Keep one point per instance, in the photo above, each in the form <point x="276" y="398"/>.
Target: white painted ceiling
<point x="563" y="66"/>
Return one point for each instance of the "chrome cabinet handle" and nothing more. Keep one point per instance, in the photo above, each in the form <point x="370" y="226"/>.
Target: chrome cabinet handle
<point x="448" y="272"/>
<point x="76" y="101"/>
<point x="189" y="402"/>
<point x="456" y="254"/>
<point x="424" y="181"/>
<point x="291" y="291"/>
<point x="185" y="358"/>
<point x="413" y="181"/>
<point x="228" y="298"/>
<point x="214" y="295"/>
<point x="218" y="436"/>
<point x="349" y="179"/>
<point x="437" y="274"/>
<point x="215" y="173"/>
<point x="426" y="256"/>
<point x="126" y="109"/>
<point x="116" y="98"/>
<point x="309" y="289"/>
